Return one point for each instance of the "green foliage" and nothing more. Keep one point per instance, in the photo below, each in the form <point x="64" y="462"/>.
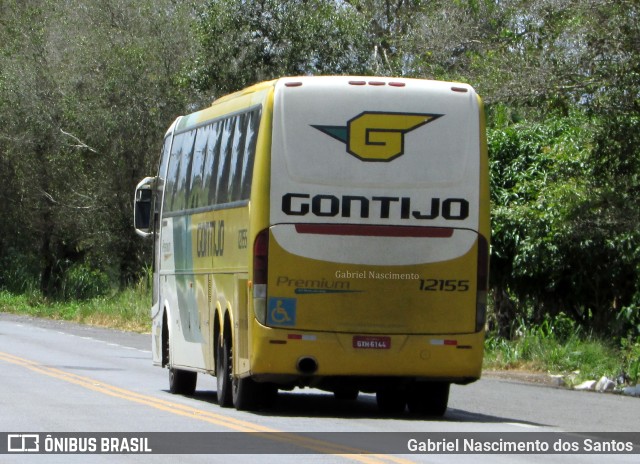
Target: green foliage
<point x="558" y="346"/>
<point x="81" y="282"/>
<point x="554" y="211"/>
<point x="246" y="42"/>
<point x="631" y="356"/>
<point x="127" y="309"/>
<point x="18" y="271"/>
<point x="536" y="184"/>
<point x="86" y="93"/>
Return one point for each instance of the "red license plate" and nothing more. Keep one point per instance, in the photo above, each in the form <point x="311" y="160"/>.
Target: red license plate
<point x="371" y="342"/>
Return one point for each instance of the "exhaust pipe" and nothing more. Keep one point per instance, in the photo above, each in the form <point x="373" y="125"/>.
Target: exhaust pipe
<point x="307" y="365"/>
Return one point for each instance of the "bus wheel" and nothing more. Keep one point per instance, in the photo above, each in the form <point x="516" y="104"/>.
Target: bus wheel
<point x="182" y="382"/>
<point x="247" y="394"/>
<point x="428" y="398"/>
<point x="391" y="400"/>
<point x="223" y="373"/>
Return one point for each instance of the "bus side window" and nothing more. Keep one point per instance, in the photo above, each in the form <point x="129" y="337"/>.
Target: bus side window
<point x="162" y="173"/>
<point x="181" y="198"/>
<point x="196" y="197"/>
<point x="172" y="173"/>
<point x="252" y="122"/>
<point x="223" y="168"/>
<point x="210" y="164"/>
<point x="164" y="159"/>
<point x="237" y="157"/>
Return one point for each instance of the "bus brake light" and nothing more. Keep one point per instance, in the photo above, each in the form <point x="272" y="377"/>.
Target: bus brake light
<point x="260" y="273"/>
<point x="260" y="258"/>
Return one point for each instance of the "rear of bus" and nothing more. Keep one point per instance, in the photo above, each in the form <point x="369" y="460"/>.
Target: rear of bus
<point x="372" y="273"/>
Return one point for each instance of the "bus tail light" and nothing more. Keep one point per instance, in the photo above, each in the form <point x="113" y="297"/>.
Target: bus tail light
<point x="260" y="273"/>
<point x="483" y="278"/>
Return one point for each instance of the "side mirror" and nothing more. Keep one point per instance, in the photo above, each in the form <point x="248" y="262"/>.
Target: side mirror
<point x="142" y="206"/>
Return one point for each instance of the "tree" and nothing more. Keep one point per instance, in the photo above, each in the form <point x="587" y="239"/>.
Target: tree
<point x="536" y="185"/>
<point x="86" y="92"/>
<point x="242" y="43"/>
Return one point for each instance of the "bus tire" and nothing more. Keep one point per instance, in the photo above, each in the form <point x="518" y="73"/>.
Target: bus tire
<point x="391" y="400"/>
<point x="224" y="373"/>
<point x="182" y="382"/>
<point x="247" y="394"/>
<point x="428" y="398"/>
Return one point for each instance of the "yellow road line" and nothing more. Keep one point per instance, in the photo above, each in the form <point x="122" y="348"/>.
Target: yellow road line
<point x="202" y="415"/>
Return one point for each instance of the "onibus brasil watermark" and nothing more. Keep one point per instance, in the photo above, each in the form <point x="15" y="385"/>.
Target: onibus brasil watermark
<point x="282" y="443"/>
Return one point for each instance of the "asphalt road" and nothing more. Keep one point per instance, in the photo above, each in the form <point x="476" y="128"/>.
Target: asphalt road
<point x="62" y="378"/>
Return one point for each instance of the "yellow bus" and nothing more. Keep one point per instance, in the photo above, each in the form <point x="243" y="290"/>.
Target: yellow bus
<point x="324" y="232"/>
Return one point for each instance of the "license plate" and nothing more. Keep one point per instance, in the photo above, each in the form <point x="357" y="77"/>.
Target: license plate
<point x="371" y="342"/>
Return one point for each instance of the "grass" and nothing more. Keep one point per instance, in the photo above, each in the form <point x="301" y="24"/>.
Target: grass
<point x="124" y="310"/>
<point x="557" y="346"/>
<point x="579" y="359"/>
<point x="560" y="347"/>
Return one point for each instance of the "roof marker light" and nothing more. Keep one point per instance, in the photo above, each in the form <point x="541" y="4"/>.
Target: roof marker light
<point x="357" y="83"/>
<point x="397" y="84"/>
<point x="460" y="89"/>
<point x="293" y="84"/>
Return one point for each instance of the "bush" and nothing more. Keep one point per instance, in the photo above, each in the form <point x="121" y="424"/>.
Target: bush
<point x="558" y="345"/>
<point x="18" y="272"/>
<point x="564" y="236"/>
<point x="81" y="282"/>
<point x="631" y="356"/>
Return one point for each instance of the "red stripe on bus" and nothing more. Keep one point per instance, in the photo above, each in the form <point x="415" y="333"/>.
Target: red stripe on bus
<point x="374" y="231"/>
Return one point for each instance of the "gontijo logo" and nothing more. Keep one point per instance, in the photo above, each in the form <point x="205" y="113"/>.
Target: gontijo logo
<point x="377" y="136"/>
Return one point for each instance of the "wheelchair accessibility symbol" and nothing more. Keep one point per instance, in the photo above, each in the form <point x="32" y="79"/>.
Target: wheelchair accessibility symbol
<point x="281" y="311"/>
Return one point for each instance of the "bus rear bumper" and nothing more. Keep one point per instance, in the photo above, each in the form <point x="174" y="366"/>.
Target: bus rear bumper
<point x="311" y="358"/>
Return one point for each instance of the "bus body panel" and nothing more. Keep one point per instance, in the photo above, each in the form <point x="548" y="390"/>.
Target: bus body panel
<point x="375" y="208"/>
<point x="454" y="357"/>
<point x="201" y="271"/>
<point x="158" y="305"/>
<point x="202" y="256"/>
<point x="428" y="176"/>
<point x="429" y="298"/>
